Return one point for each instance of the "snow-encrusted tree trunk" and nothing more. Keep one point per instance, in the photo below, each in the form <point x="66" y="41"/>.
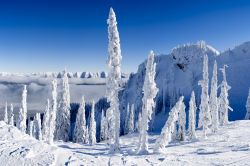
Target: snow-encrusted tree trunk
<point x="166" y="131"/>
<point x="80" y="126"/>
<point x="87" y="134"/>
<point x="19" y="119"/>
<point x="103" y="126"/>
<point x="223" y="99"/>
<point x="46" y="119"/>
<point x="5" y="117"/>
<point x="63" y="113"/>
<point x="149" y="93"/>
<point x="131" y="126"/>
<point x="37" y="125"/>
<point x="127" y="119"/>
<point x="31" y="127"/>
<point x="214" y="100"/>
<point x="247" y="117"/>
<point x="92" y="126"/>
<point x="182" y="122"/>
<point x="23" y="111"/>
<point x="204" y="114"/>
<point x="113" y="82"/>
<point x="11" y="115"/>
<point x="53" y="112"/>
<point x="192" y="117"/>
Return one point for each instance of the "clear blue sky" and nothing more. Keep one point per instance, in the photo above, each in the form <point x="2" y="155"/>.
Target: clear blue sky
<point x="48" y="35"/>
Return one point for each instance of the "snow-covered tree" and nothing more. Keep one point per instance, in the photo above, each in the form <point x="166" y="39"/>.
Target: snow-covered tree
<point x="166" y="131"/>
<point x="191" y="117"/>
<point x="80" y="127"/>
<point x="127" y="119"/>
<point x="131" y="126"/>
<point x="23" y="111"/>
<point x="214" y="100"/>
<point x="92" y="126"/>
<point x="37" y="125"/>
<point x="113" y="82"/>
<point x="247" y="117"/>
<point x="63" y="113"/>
<point x="46" y="119"/>
<point x="53" y="112"/>
<point x="11" y="115"/>
<point x="149" y="93"/>
<point x="19" y="119"/>
<point x="5" y="118"/>
<point x="87" y="134"/>
<point x="103" y="127"/>
<point x="223" y="99"/>
<point x="182" y="122"/>
<point x="31" y="127"/>
<point x="204" y="115"/>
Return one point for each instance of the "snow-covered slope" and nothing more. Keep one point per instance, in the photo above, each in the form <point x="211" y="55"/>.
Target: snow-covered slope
<point x="230" y="146"/>
<point x="178" y="74"/>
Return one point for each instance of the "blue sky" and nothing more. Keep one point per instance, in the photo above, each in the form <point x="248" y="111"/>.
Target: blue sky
<point x="48" y="35"/>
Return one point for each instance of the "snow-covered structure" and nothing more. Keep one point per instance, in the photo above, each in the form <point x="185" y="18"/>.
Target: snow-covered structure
<point x="80" y="126"/>
<point x="45" y="124"/>
<point x="11" y="115"/>
<point x="213" y="103"/>
<point x="30" y="127"/>
<point x="53" y="112"/>
<point x="149" y="92"/>
<point x="182" y="122"/>
<point x="223" y="99"/>
<point x="204" y="114"/>
<point x="63" y="113"/>
<point x="37" y="126"/>
<point x="23" y="111"/>
<point x="170" y="124"/>
<point x="247" y="117"/>
<point x="5" y="117"/>
<point x="192" y="117"/>
<point x="113" y="82"/>
<point x="131" y="120"/>
<point x="92" y="126"/>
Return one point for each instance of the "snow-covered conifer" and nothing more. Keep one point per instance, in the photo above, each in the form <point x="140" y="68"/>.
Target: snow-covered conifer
<point x="182" y="122"/>
<point x="166" y="131"/>
<point x="204" y="115"/>
<point x="30" y="127"/>
<point x="53" y="112"/>
<point x="87" y="135"/>
<point x="80" y="127"/>
<point x="223" y="98"/>
<point x="127" y="119"/>
<point x="103" y="126"/>
<point x="11" y="115"/>
<point x="37" y="125"/>
<point x="5" y="118"/>
<point x="19" y="119"/>
<point x="92" y="126"/>
<point x="247" y="117"/>
<point x="113" y="82"/>
<point x="23" y="111"/>
<point x="192" y="117"/>
<point x="214" y="100"/>
<point x="131" y="126"/>
<point x="46" y="119"/>
<point x="149" y="93"/>
<point x="63" y="113"/>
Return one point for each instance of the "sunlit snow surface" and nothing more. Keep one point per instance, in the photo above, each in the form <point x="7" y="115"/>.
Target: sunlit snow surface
<point x="230" y="146"/>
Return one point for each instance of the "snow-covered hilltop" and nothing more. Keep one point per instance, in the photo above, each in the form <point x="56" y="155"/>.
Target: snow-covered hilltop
<point x="178" y="74"/>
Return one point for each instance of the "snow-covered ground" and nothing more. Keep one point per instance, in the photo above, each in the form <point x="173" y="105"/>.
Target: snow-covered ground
<point x="229" y="146"/>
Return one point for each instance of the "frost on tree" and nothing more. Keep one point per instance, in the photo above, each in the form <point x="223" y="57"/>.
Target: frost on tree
<point x="181" y="122"/>
<point x="92" y="126"/>
<point x="46" y="119"/>
<point x="11" y="115"/>
<point x="37" y="126"/>
<point x="204" y="115"/>
<point x="23" y="111"/>
<point x="223" y="99"/>
<point x="63" y="113"/>
<point x="127" y="119"/>
<point x="31" y="127"/>
<point x="80" y="126"/>
<point x="5" y="118"/>
<point x="131" y="120"/>
<point x="53" y="112"/>
<point x="113" y="82"/>
<point x="247" y="117"/>
<point x="87" y="134"/>
<point x="214" y="100"/>
<point x="192" y="117"/>
<point x="149" y="93"/>
<point x="103" y="127"/>
<point x="170" y="124"/>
